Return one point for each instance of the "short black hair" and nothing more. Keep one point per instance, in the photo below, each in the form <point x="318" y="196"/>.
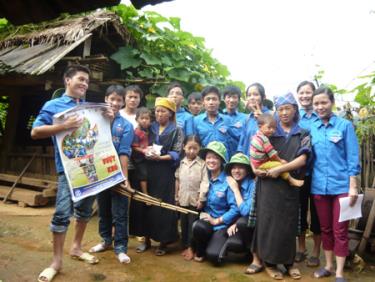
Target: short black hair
<point x="265" y="118"/>
<point x="135" y="88"/>
<point x="173" y="85"/>
<point x="115" y="88"/>
<point x="194" y="96"/>
<point x="71" y="70"/>
<point x="323" y="89"/>
<point x="306" y="82"/>
<point x="232" y="90"/>
<point x="211" y="89"/>
<point x="142" y="111"/>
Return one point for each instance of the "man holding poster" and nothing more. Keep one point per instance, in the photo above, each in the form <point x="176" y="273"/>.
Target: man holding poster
<point x="76" y="80"/>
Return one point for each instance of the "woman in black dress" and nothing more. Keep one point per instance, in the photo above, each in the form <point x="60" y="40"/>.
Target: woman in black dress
<point x="277" y="202"/>
<point x="160" y="223"/>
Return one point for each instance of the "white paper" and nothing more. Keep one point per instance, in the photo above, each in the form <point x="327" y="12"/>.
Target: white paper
<point x="347" y="212"/>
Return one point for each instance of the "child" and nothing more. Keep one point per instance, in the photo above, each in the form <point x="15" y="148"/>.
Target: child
<point x="112" y="206"/>
<point x="263" y="155"/>
<point x="195" y="103"/>
<point x="191" y="189"/>
<point x="140" y="145"/>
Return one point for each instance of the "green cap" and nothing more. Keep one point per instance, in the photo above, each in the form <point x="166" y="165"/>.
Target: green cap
<point x="218" y="148"/>
<point x="238" y="158"/>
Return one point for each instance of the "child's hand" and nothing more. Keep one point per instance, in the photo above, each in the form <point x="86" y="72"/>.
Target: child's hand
<point x="274" y="172"/>
<point x="232" y="230"/>
<point x="260" y="173"/>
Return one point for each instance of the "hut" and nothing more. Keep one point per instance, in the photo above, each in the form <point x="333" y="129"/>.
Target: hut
<point x="31" y="67"/>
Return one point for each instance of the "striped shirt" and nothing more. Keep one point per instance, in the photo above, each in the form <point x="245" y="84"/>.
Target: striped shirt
<point x="261" y="149"/>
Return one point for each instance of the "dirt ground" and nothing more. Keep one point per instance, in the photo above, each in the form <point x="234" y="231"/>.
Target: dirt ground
<point x="25" y="249"/>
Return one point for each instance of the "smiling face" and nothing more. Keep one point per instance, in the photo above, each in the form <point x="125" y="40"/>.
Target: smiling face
<point x="213" y="162"/>
<point x="115" y="101"/>
<point x="238" y="172"/>
<point x="77" y="85"/>
<point x="162" y="115"/>
<point x="304" y="96"/>
<point x="231" y="102"/>
<point x="211" y="103"/>
<point x="322" y="105"/>
<point x="253" y="97"/>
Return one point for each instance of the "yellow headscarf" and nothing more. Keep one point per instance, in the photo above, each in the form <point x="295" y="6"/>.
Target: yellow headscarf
<point x="166" y="103"/>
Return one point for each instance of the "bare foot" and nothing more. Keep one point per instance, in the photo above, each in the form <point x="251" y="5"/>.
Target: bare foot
<point x="183" y="253"/>
<point x="189" y="255"/>
<point x="295" y="182"/>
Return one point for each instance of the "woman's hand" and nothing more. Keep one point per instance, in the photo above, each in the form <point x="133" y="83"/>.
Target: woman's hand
<point x="260" y="173"/>
<point x="233" y="184"/>
<point x="257" y="110"/>
<point x="213" y="221"/>
<point x="232" y="230"/>
<point x="274" y="172"/>
<point x="353" y="190"/>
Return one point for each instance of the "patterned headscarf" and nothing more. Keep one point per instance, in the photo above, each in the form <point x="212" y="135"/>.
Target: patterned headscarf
<point x="287" y="99"/>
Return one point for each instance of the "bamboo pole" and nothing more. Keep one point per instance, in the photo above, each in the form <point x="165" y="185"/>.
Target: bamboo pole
<point x="147" y="199"/>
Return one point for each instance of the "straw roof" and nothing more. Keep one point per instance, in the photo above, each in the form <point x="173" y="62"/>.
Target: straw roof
<point x="37" y="51"/>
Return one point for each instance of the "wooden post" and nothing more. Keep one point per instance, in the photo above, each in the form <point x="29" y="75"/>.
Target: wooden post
<point x="87" y="48"/>
<point x="368" y="229"/>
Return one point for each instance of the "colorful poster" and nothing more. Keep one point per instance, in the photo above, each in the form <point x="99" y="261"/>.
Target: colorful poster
<point x="90" y="161"/>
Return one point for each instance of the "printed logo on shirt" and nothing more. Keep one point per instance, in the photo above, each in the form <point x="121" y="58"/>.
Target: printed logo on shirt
<point x="223" y="129"/>
<point x="220" y="194"/>
<point x="238" y="124"/>
<point x="335" y="136"/>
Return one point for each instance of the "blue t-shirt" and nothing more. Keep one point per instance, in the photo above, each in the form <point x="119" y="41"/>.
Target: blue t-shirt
<point x="336" y="156"/>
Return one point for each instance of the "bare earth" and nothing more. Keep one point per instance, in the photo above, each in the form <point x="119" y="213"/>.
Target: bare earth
<point x="25" y="250"/>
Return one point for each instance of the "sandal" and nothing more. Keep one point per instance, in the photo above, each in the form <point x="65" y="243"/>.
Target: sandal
<point x="294" y="273"/>
<point x="123" y="258"/>
<point x="47" y="275"/>
<point x="86" y="257"/>
<point x="274" y="273"/>
<point x="300" y="256"/>
<point x="101" y="247"/>
<point x="142" y="248"/>
<point x="253" y="268"/>
<point x="198" y="259"/>
<point x="313" y="261"/>
<point x="160" y="251"/>
<point x="321" y="273"/>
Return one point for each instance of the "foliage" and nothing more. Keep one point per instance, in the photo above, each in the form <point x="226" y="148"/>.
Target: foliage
<point x="163" y="52"/>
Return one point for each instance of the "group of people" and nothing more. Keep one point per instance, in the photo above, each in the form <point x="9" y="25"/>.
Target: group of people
<point x="252" y="177"/>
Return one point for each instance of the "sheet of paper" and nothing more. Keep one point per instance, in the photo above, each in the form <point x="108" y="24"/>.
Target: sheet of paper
<point x="347" y="212"/>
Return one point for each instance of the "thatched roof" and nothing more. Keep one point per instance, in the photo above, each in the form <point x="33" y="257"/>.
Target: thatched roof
<point x="36" y="52"/>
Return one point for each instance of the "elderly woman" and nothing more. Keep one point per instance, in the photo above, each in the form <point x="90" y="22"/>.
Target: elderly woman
<point x="161" y="224"/>
<point x="277" y="201"/>
<point x="210" y="232"/>
<point x="255" y="95"/>
<point x="336" y="165"/>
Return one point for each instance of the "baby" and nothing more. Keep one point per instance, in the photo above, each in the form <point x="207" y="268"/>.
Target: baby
<point x="262" y="154"/>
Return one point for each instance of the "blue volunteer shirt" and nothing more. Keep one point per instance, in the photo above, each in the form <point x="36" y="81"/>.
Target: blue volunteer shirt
<point x="184" y="120"/>
<point x="221" y="201"/>
<point x="218" y="131"/>
<point x="336" y="156"/>
<point x="237" y="124"/>
<point x="247" y="191"/>
<point x="122" y="135"/>
<point x="251" y="127"/>
<point x="45" y="117"/>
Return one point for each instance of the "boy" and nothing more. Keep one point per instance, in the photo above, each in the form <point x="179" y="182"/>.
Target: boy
<point x="195" y="103"/>
<point x="113" y="207"/>
<point x="76" y="80"/>
<point x="262" y="153"/>
<point x="133" y="96"/>
<point x="212" y="125"/>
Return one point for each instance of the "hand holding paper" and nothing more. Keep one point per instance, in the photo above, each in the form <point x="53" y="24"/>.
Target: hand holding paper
<point x="348" y="212"/>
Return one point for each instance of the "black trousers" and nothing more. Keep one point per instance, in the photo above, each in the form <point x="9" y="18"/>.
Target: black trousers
<point x="306" y="203"/>
<point x="187" y="221"/>
<point x="241" y="240"/>
<point x="209" y="243"/>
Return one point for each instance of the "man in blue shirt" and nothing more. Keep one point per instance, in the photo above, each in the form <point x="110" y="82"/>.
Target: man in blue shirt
<point x="76" y="80"/>
<point x="113" y="207"/>
<point x="232" y="96"/>
<point x="184" y="119"/>
<point x="212" y="125"/>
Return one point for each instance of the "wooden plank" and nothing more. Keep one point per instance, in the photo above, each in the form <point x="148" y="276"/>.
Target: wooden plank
<point x="49" y="193"/>
<point x="29" y="197"/>
<point x="35" y="182"/>
<point x="367" y="232"/>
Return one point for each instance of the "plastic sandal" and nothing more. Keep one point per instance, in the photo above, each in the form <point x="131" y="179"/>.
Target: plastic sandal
<point x="142" y="248"/>
<point x="253" y="269"/>
<point x="313" y="261"/>
<point x="101" y="247"/>
<point x="86" y="257"/>
<point x="294" y="273"/>
<point x="321" y="273"/>
<point x="123" y="258"/>
<point x="47" y="275"/>
<point x="300" y="256"/>
<point x="274" y="273"/>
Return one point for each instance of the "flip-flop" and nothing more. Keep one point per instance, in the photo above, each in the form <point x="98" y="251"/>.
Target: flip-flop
<point x="294" y="273"/>
<point x="123" y="258"/>
<point x="253" y="268"/>
<point x="142" y="248"/>
<point x="274" y="273"/>
<point x="313" y="261"/>
<point x="300" y="256"/>
<point x="48" y="274"/>
<point x="101" y="247"/>
<point x="321" y="273"/>
<point x="160" y="251"/>
<point x="198" y="259"/>
<point x="86" y="257"/>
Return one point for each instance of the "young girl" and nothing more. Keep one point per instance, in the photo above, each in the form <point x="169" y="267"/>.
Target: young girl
<point x="263" y="155"/>
<point x="191" y="189"/>
<point x="140" y="145"/>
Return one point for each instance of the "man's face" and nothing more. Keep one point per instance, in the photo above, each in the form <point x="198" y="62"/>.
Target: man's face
<point x="115" y="101"/>
<point x="211" y="103"/>
<point x="77" y="85"/>
<point x="132" y="99"/>
<point x="231" y="102"/>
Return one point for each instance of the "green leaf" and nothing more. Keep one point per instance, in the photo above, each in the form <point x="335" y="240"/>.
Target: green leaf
<point x="179" y="74"/>
<point x="150" y="59"/>
<point x="146" y="73"/>
<point x="127" y="57"/>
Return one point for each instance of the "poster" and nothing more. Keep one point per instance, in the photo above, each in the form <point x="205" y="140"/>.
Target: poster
<point x="90" y="161"/>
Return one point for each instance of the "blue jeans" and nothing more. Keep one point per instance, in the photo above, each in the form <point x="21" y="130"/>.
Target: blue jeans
<point x="113" y="211"/>
<point x="65" y="207"/>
